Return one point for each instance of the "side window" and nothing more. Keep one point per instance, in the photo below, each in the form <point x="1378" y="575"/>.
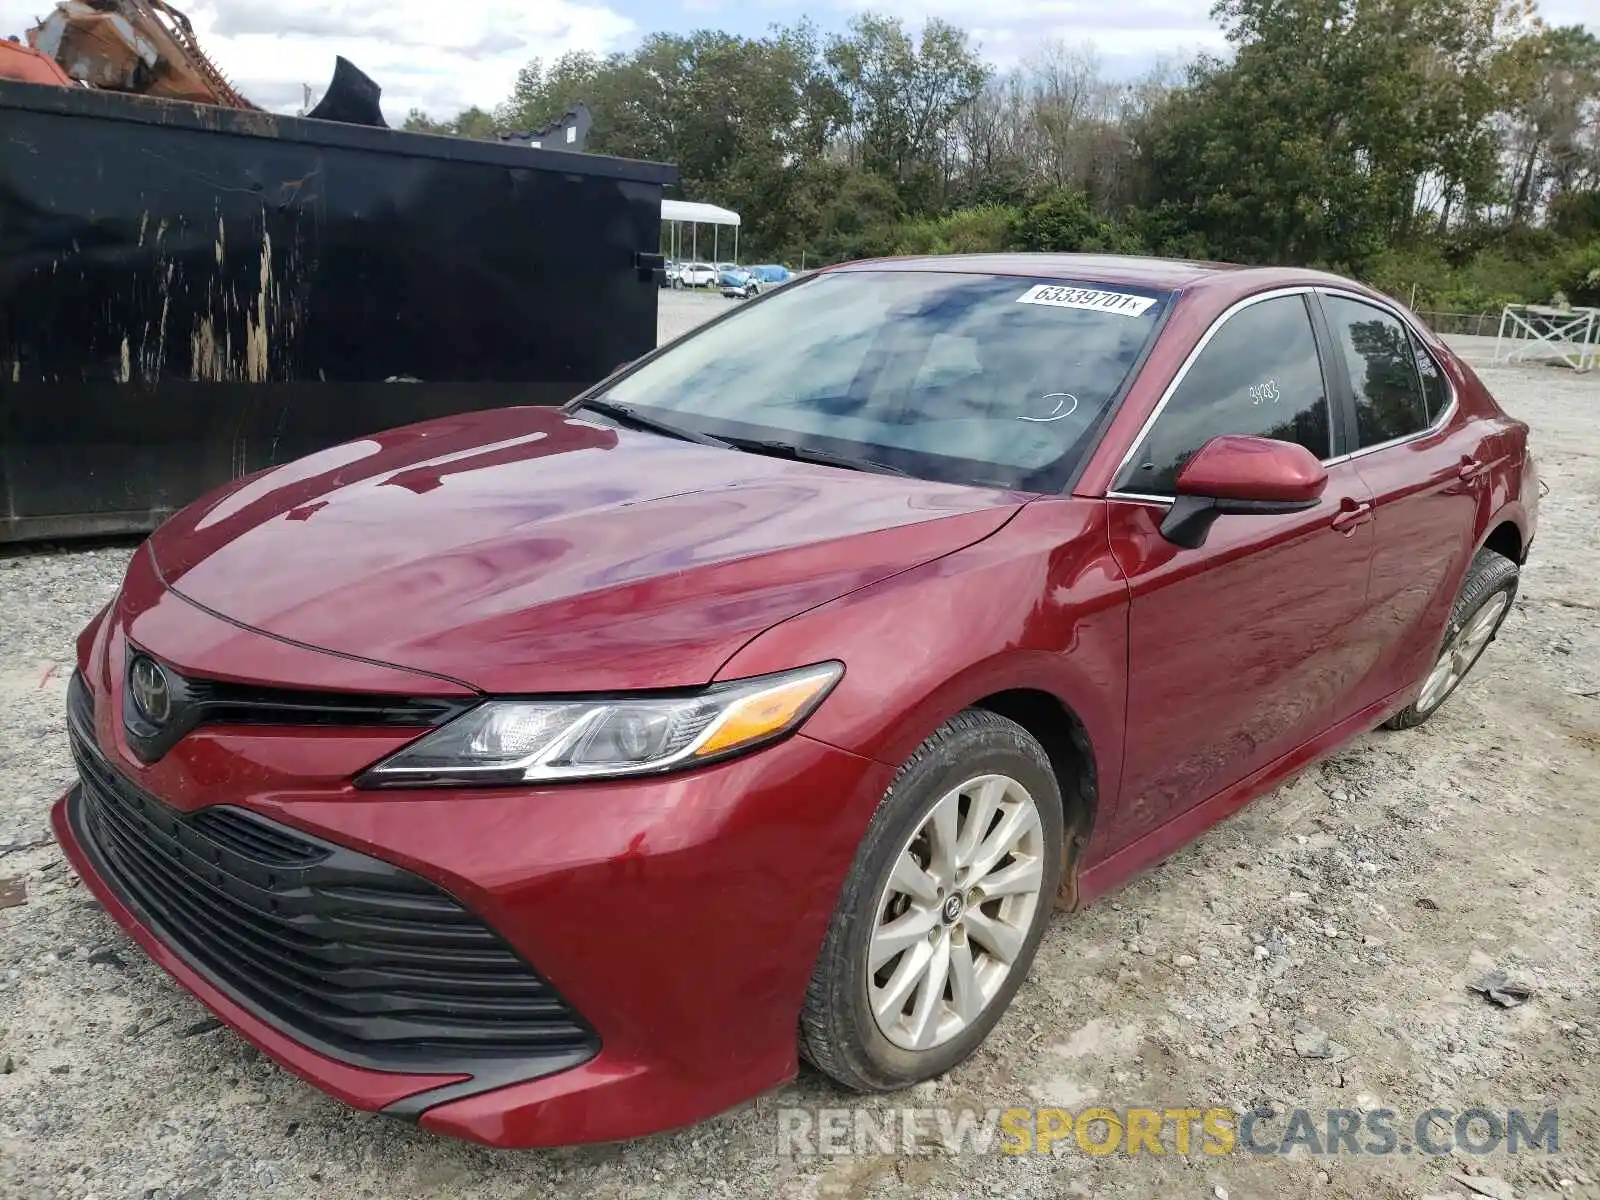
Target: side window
<point x="1435" y="387"/>
<point x="1383" y="371"/>
<point x="1259" y="374"/>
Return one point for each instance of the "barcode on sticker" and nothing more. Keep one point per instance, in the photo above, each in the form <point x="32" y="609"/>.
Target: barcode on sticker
<point x="1072" y="297"/>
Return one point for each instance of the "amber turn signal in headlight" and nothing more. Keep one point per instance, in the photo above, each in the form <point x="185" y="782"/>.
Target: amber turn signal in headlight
<point x="532" y="741"/>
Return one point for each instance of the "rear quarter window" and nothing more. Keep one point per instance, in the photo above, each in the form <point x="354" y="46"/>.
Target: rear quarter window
<point x="1435" y="387"/>
<point x="1380" y="356"/>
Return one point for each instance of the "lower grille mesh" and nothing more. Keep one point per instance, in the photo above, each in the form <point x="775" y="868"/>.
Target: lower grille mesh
<point x="338" y="949"/>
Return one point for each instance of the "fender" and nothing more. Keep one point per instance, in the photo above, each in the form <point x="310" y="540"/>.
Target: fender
<point x="1040" y="605"/>
<point x="1514" y="513"/>
<point x="1512" y="494"/>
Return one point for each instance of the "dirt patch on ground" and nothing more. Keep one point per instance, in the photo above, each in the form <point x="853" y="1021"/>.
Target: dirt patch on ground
<point x="1316" y="951"/>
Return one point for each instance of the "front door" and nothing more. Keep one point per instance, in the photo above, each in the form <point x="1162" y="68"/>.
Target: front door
<point x="1239" y="651"/>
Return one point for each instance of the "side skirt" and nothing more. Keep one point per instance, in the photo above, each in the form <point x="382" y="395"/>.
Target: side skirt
<point x="1160" y="843"/>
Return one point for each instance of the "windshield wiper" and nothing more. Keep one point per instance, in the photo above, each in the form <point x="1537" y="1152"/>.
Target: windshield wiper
<point x="628" y="415"/>
<point x="632" y="416"/>
<point x="807" y="454"/>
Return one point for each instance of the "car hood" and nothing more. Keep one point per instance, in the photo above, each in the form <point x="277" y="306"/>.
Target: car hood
<point x="523" y="550"/>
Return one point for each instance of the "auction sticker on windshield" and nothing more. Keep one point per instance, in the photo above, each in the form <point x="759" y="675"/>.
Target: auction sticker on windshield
<point x="1071" y="297"/>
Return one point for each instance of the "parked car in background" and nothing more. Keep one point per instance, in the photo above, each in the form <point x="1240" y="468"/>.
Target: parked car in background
<point x="696" y="274"/>
<point x="771" y="273"/>
<point x="738" y="283"/>
<point x="800" y="668"/>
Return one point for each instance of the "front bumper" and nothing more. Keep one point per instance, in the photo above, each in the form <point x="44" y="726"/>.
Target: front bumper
<point x="333" y="948"/>
<point x="679" y="916"/>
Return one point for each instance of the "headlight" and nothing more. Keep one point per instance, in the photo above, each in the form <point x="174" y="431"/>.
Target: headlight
<point x="533" y="741"/>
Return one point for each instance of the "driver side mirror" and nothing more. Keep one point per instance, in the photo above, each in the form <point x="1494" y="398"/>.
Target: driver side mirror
<point x="1239" y="475"/>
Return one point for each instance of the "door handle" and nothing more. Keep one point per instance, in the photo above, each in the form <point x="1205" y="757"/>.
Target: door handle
<point x="1351" y="513"/>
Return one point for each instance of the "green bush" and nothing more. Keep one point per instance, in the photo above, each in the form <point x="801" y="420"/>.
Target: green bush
<point x="918" y="237"/>
<point x="1062" y="219"/>
<point x="1161" y="232"/>
<point x="978" y="230"/>
<point x="1576" y="216"/>
<point x="1491" y="278"/>
<point x="1475" y="269"/>
<point x="983" y="229"/>
<point x="1578" y="276"/>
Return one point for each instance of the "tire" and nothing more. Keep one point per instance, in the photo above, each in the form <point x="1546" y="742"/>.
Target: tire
<point x="839" y="1033"/>
<point x="1475" y="619"/>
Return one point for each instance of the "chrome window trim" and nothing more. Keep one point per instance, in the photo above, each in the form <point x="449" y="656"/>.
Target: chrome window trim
<point x="1139" y="497"/>
<point x="1226" y="315"/>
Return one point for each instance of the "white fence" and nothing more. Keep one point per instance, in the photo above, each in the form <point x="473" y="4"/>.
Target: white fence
<point x="1537" y="332"/>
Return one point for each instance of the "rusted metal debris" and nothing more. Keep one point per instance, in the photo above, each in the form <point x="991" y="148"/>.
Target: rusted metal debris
<point x="141" y="46"/>
<point x="149" y="48"/>
<point x="27" y="65"/>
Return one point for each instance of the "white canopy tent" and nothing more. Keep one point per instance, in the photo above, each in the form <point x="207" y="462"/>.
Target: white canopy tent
<point x="678" y="213"/>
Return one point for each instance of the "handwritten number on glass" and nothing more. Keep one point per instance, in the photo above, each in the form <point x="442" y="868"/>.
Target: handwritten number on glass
<point x="1264" y="393"/>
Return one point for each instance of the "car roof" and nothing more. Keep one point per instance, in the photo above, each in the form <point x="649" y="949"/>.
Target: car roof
<point x="1170" y="274"/>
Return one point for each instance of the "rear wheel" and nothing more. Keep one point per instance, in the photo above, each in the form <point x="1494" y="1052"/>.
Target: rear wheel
<point x="942" y="911"/>
<point x="1479" y="611"/>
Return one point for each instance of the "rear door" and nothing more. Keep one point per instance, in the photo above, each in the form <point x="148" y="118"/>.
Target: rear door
<point x="1240" y="650"/>
<point x="1426" y="472"/>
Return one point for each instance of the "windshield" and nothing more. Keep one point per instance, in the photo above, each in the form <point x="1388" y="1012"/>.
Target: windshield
<point x="964" y="378"/>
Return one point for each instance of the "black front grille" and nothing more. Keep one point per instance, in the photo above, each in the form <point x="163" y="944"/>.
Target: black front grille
<point x="253" y="837"/>
<point x="343" y="952"/>
<point x="195" y="701"/>
<point x="220" y="702"/>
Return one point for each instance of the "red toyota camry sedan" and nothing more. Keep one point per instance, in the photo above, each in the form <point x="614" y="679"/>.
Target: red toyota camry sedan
<point x="552" y="776"/>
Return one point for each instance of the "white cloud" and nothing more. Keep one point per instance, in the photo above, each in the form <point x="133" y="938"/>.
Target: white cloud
<point x="1127" y="36"/>
<point x="442" y="57"/>
<point x="1570" y="12"/>
<point x="1131" y="33"/>
<point x="439" y="57"/>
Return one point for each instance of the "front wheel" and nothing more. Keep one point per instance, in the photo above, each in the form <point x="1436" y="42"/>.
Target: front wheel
<point x="1479" y="611"/>
<point x="942" y="911"/>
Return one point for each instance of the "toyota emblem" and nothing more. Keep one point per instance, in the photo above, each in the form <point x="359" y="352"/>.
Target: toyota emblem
<point x="152" y="695"/>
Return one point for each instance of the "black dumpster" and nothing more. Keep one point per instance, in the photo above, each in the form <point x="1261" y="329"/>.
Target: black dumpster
<point x="188" y="294"/>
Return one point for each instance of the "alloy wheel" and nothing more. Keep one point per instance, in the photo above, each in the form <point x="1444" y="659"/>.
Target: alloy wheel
<point x="1462" y="651"/>
<point x="955" y="913"/>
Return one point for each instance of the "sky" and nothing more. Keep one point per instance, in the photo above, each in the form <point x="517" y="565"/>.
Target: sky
<point x="442" y="57"/>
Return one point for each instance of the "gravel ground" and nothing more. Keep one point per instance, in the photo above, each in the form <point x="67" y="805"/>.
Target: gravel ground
<point x="1314" y="951"/>
<point x="682" y="311"/>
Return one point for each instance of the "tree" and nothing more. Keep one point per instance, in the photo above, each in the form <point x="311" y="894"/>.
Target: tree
<point x="903" y="96"/>
<point x="471" y="123"/>
<point x="1451" y="146"/>
<point x="1336" y="126"/>
<point x="1553" y="85"/>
